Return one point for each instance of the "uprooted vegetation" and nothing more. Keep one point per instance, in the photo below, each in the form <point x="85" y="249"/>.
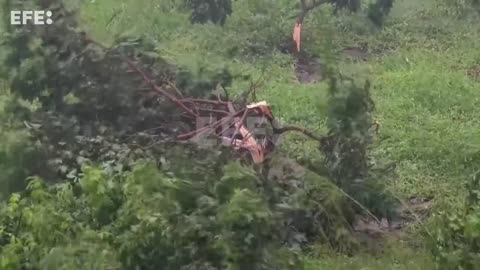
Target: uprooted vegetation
<point x="139" y="161"/>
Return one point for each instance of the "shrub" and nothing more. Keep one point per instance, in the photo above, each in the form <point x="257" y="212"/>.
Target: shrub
<point x="143" y="219"/>
<point x="459" y="8"/>
<point x="455" y="240"/>
<point x="378" y="10"/>
<point x="215" y="11"/>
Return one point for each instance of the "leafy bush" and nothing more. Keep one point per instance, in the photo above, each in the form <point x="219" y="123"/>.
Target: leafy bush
<point x="458" y="8"/>
<point x="346" y="149"/>
<point x="19" y="157"/>
<point x="215" y="11"/>
<point x="257" y="27"/>
<point x="352" y="5"/>
<point x="378" y="10"/>
<point x="456" y="238"/>
<point x="143" y="219"/>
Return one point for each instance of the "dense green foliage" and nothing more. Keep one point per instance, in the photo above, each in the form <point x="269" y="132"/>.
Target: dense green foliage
<point x="352" y="5"/>
<point x="143" y="219"/>
<point x="92" y="178"/>
<point x="378" y="10"/>
<point x="215" y="11"/>
<point x="456" y="238"/>
<point x="459" y="7"/>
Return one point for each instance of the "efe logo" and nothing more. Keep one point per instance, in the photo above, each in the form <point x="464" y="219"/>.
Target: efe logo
<point x="35" y="17"/>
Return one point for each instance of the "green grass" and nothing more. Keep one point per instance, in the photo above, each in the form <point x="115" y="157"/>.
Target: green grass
<point x="426" y="104"/>
<point x="429" y="117"/>
<point x="399" y="260"/>
<point x="392" y="254"/>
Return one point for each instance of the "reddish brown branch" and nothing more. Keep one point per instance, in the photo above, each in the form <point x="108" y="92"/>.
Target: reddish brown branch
<point x="158" y="89"/>
<point x="213" y="111"/>
<point x="211" y="126"/>
<point x="237" y="127"/>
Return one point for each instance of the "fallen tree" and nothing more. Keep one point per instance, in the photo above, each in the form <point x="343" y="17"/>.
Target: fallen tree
<point x="225" y="119"/>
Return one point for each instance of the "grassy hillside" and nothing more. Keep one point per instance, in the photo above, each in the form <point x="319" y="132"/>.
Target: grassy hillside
<point x="426" y="101"/>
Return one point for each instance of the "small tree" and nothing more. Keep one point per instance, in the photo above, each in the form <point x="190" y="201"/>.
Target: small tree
<point x="346" y="149"/>
<point x="352" y="5"/>
<point x="378" y="10"/>
<point x="215" y="11"/>
<point x="455" y="240"/>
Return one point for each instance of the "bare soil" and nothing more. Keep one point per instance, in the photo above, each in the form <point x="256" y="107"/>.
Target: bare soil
<point x="371" y="233"/>
<point x="308" y="70"/>
<point x="356" y="53"/>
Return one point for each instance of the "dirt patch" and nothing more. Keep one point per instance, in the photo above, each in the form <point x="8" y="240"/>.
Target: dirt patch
<point x="415" y="210"/>
<point x="369" y="232"/>
<point x="356" y="53"/>
<point x="474" y="73"/>
<point x="308" y="69"/>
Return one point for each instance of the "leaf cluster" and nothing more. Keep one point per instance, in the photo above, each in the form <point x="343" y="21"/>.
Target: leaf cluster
<point x="215" y="11"/>
<point x="455" y="240"/>
<point x="144" y="219"/>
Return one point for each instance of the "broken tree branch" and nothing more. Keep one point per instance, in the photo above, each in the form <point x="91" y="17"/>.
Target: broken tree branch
<point x="302" y="130"/>
<point x="158" y="89"/>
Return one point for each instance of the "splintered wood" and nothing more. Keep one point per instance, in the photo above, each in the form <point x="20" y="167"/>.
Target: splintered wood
<point x="297" y="30"/>
<point x="247" y="140"/>
<point x="230" y="126"/>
